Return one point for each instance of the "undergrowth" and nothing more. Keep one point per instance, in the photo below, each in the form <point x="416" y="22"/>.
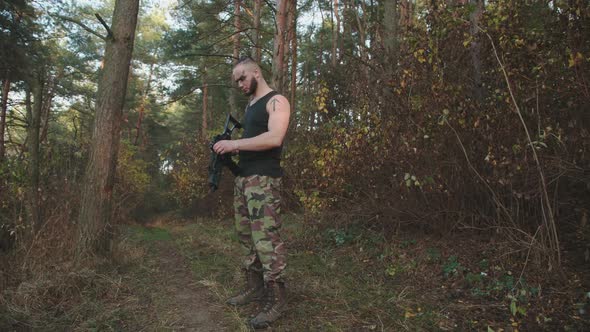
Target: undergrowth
<point x="60" y="294"/>
<point x="339" y="277"/>
<point x="343" y="278"/>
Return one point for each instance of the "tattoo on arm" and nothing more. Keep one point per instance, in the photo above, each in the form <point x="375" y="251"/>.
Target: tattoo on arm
<point x="274" y="102"/>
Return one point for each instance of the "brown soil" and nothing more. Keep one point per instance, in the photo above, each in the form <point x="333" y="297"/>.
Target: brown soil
<point x="190" y="306"/>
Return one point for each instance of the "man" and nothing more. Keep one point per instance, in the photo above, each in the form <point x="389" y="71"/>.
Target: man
<point x="256" y="192"/>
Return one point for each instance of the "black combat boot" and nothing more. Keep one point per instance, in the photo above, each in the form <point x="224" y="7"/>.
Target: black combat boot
<point x="253" y="290"/>
<point x="275" y="298"/>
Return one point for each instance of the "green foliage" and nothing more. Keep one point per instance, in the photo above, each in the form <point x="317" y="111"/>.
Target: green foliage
<point x="339" y="237"/>
<point x="407" y="243"/>
<point x="190" y="174"/>
<point x="398" y="268"/>
<point x="515" y="308"/>
<point x="433" y="254"/>
<point x="452" y="267"/>
<point x="132" y="178"/>
<point x="151" y="234"/>
<point x="132" y="170"/>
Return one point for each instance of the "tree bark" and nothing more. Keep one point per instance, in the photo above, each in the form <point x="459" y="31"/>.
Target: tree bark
<point x="362" y="28"/>
<point x="288" y="53"/>
<point x="7" y="75"/>
<point x="347" y="41"/>
<point x="205" y="98"/>
<point x="406" y="14"/>
<point x="3" y="109"/>
<point x="33" y="135"/>
<point x="293" y="38"/>
<point x="257" y="48"/>
<point x="335" y="33"/>
<point x="390" y="38"/>
<point x="278" y="61"/>
<point x="95" y="228"/>
<point x="143" y="102"/>
<point x="475" y="50"/>
<point x="47" y="102"/>
<point x="236" y="52"/>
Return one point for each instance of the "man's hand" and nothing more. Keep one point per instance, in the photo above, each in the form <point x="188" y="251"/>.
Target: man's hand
<point x="225" y="146"/>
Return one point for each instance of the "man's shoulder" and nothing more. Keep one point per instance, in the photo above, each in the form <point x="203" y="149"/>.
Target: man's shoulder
<point x="275" y="101"/>
<point x="274" y="94"/>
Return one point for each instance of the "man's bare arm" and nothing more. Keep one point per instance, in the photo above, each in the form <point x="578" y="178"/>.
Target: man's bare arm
<point x="279" y="110"/>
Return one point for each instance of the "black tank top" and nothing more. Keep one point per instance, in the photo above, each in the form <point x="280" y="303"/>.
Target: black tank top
<point x="267" y="162"/>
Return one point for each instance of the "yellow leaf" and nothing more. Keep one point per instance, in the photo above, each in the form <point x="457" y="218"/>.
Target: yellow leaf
<point x="575" y="59"/>
<point x="409" y="314"/>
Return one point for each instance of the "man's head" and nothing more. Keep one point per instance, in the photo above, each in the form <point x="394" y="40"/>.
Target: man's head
<point x="246" y="74"/>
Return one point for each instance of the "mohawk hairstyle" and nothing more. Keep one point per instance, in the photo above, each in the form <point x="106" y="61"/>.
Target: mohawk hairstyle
<point x="246" y="59"/>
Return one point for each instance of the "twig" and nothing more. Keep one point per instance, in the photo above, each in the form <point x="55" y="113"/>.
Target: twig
<point x="550" y="219"/>
<point x="82" y="25"/>
<point x="110" y="34"/>
<point x="190" y="92"/>
<point x="271" y="6"/>
<point x="186" y="55"/>
<point x="495" y="197"/>
<point x="526" y="261"/>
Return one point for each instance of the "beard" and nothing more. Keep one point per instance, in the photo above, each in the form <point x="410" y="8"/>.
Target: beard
<point x="253" y="87"/>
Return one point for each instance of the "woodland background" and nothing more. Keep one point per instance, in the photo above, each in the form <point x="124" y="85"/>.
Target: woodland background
<point x="465" y="120"/>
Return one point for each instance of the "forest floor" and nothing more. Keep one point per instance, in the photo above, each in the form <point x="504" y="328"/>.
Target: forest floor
<point x="173" y="274"/>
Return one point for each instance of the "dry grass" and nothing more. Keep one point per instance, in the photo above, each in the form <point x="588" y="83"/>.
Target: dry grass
<point x="44" y="288"/>
<point x="352" y="278"/>
<point x="340" y="278"/>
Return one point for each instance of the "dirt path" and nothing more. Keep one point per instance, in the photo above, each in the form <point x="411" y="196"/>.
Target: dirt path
<point x="189" y="305"/>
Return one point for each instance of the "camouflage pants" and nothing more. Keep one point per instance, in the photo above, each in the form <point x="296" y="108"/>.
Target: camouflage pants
<point x="257" y="208"/>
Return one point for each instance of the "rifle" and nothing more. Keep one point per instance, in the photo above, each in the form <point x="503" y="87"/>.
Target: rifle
<point x="219" y="160"/>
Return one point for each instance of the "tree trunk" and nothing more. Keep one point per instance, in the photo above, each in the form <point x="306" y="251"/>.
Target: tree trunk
<point x="236" y="52"/>
<point x="475" y="48"/>
<point x="289" y="33"/>
<point x="293" y="38"/>
<point x="144" y="100"/>
<point x="346" y="42"/>
<point x="406" y="14"/>
<point x="205" y="97"/>
<point x="33" y="134"/>
<point x="362" y="28"/>
<point x="138" y="123"/>
<point x="47" y="102"/>
<point x="7" y="75"/>
<point x="3" y="108"/>
<point x="278" y="61"/>
<point x="256" y="40"/>
<point x="372" y="32"/>
<point x="95" y="228"/>
<point x="335" y="33"/>
<point x="390" y="37"/>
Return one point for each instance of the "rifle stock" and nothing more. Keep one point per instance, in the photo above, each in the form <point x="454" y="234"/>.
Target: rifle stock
<point x="219" y="160"/>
